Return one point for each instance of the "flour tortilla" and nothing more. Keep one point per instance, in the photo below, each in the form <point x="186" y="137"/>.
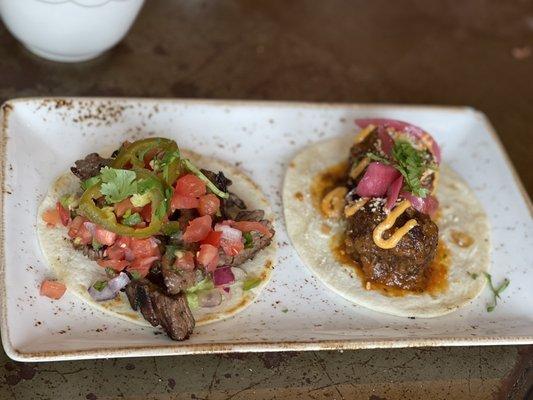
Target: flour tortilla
<point x="78" y="272"/>
<point x="460" y="210"/>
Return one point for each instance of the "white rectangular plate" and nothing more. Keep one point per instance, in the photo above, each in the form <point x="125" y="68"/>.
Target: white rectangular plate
<point x="43" y="137"/>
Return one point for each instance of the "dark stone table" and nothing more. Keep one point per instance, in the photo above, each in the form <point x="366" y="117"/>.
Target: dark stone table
<point x="477" y="53"/>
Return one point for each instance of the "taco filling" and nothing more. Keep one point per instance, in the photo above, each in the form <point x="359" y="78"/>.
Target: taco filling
<point x="386" y="197"/>
<point x="368" y="223"/>
<point x="169" y="234"/>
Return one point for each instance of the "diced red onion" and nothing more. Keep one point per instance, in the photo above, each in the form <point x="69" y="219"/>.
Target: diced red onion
<point x="228" y="233"/>
<point x="111" y="289"/>
<point x="226" y="289"/>
<point x="223" y="276"/>
<point x="406" y="127"/>
<point x="386" y="141"/>
<point x="209" y="298"/>
<point x="426" y="205"/>
<point x="376" y="180"/>
<point x="90" y="226"/>
<point x="393" y="191"/>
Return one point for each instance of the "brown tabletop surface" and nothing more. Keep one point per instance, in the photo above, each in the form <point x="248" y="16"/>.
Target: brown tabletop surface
<point x="477" y="53"/>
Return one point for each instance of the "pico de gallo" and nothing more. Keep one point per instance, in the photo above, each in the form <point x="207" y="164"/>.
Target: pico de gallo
<point x="160" y="225"/>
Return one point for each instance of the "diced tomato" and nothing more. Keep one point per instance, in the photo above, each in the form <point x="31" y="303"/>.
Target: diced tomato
<point x="115" y="252"/>
<point x="213" y="238"/>
<point x="52" y="289"/>
<point x="51" y="217"/>
<point x="190" y="185"/>
<point x="185" y="261"/>
<point x="75" y="226"/>
<point x="103" y="236"/>
<point x="64" y="214"/>
<point x="247" y="226"/>
<point x="123" y="206"/>
<point x="232" y="248"/>
<point x="84" y="233"/>
<point x="197" y="229"/>
<point x="142" y="265"/>
<point x="146" y="213"/>
<point x="117" y="265"/>
<point x="209" y="204"/>
<point x="180" y="202"/>
<point x="143" y="248"/>
<point x="208" y="257"/>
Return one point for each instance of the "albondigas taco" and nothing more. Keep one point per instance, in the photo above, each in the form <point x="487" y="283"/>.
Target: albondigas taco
<point x="147" y="230"/>
<point x="390" y="228"/>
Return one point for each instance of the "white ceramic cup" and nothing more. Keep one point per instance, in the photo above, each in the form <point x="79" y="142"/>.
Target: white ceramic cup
<point x="69" y="30"/>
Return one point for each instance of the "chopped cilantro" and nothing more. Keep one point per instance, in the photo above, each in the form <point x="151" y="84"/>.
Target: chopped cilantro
<point x="170" y="228"/>
<point x="411" y="164"/>
<point x="132" y="219"/>
<point x="473" y="275"/>
<point x="248" y="241"/>
<point x="110" y="272"/>
<point x="285" y="310"/>
<point x="495" y="291"/>
<point x="192" y="299"/>
<point x="96" y="245"/>
<point x="118" y="184"/>
<point x="100" y="285"/>
<point x="140" y="200"/>
<point x="205" y="284"/>
<point x="251" y="283"/>
<point x="377" y="157"/>
<point x="89" y="183"/>
<point x="135" y="275"/>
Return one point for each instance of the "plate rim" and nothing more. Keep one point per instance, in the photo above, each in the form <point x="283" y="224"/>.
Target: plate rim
<point x="216" y="348"/>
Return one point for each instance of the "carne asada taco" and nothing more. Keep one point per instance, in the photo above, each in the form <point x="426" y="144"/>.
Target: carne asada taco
<point x="147" y="236"/>
<point x="371" y="227"/>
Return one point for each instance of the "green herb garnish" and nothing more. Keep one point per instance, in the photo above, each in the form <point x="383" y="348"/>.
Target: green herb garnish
<point x="285" y="310"/>
<point x="89" y="183"/>
<point x="377" y="157"/>
<point x="135" y="275"/>
<point x="473" y="275"/>
<point x="192" y="299"/>
<point x="248" y="240"/>
<point x="205" y="284"/>
<point x="132" y="220"/>
<point x="495" y="291"/>
<point x="411" y="164"/>
<point x="117" y="184"/>
<point x="100" y="285"/>
<point x="96" y="245"/>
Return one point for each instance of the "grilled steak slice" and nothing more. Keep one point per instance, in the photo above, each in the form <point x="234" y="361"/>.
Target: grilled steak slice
<point x="259" y="241"/>
<point x="90" y="166"/>
<point x="177" y="280"/>
<point x="405" y="266"/>
<point x="171" y="312"/>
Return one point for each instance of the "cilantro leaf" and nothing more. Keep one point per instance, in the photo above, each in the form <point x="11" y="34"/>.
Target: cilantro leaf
<point x="100" y="285"/>
<point x="411" y="164"/>
<point x="89" y="183"/>
<point x="377" y="157"/>
<point x="248" y="241"/>
<point x="117" y="184"/>
<point x="132" y="220"/>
